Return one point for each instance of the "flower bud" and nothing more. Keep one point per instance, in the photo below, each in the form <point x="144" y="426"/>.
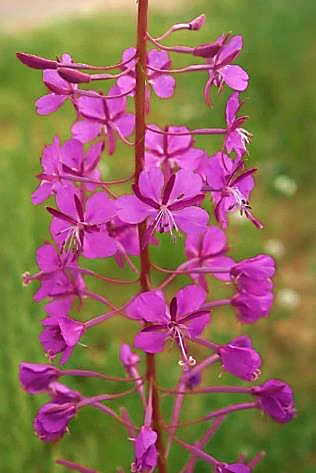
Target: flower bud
<point x="240" y="359"/>
<point x="36" y="62"/>
<point x="197" y="23"/>
<point x="36" y="378"/>
<point x="145" y="450"/>
<point x="276" y="399"/>
<point x="73" y="75"/>
<point x="233" y="468"/>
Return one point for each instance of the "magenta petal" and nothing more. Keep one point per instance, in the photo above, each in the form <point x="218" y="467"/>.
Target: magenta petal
<point x="42" y="192"/>
<point x="55" y="82"/>
<point x="115" y="106"/>
<point x="71" y="330"/>
<point x="181" y="142"/>
<point x="126" y="83"/>
<point x="196" y="326"/>
<point x="191" y="159"/>
<point x="132" y="210"/>
<point x="72" y="153"/>
<point x="154" y="141"/>
<point x="235" y="77"/>
<point x="187" y="184"/>
<point x="151" y="183"/>
<point x="191" y="219"/>
<point x="99" y="209"/>
<point x="125" y="124"/>
<point x="149" y="306"/>
<point x="59" y="306"/>
<point x="49" y="103"/>
<point x="158" y="59"/>
<point x="98" y="245"/>
<point x="214" y="241"/>
<point x="47" y="258"/>
<point x="150" y="342"/>
<point x="220" y="262"/>
<point x="91" y="107"/>
<point x="85" y="130"/>
<point x="232" y="108"/>
<point x="65" y="202"/>
<point x="163" y="86"/>
<point x="230" y="50"/>
<point x="189" y="299"/>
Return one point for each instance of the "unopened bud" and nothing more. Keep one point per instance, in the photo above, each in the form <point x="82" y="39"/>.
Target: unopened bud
<point x="36" y="62"/>
<point x="197" y="23"/>
<point x="73" y="75"/>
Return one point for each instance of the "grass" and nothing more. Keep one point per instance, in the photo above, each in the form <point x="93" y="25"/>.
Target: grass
<point x="279" y="55"/>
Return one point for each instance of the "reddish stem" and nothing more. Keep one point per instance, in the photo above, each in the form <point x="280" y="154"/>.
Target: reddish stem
<point x="141" y="64"/>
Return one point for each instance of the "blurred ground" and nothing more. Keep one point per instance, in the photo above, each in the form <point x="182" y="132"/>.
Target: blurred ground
<point x="25" y="14"/>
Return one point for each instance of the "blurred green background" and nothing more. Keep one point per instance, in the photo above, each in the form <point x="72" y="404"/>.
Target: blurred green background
<point x="279" y="55"/>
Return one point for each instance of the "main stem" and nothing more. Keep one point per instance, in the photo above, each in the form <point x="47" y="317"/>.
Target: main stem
<point x="139" y="165"/>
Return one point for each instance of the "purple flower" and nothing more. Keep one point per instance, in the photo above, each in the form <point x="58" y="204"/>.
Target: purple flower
<point x="253" y="280"/>
<point x="219" y="56"/>
<point x="171" y="150"/>
<point x="103" y="115"/>
<point x="36" y="378"/>
<point x="55" y="276"/>
<point x="168" y="208"/>
<point x="232" y="468"/>
<point x="52" y="419"/>
<point x="229" y="191"/>
<point x="254" y="275"/>
<point x="163" y="84"/>
<point x="251" y="308"/>
<point x="51" y="177"/>
<point x="276" y="399"/>
<point x="127" y="357"/>
<point x="60" y="335"/>
<point x="207" y="251"/>
<point x="126" y="237"/>
<point x="236" y="138"/>
<point x="184" y="318"/>
<point x="78" y="163"/>
<point x="78" y="230"/>
<point x="240" y="359"/>
<point x="60" y="89"/>
<point x="145" y="451"/>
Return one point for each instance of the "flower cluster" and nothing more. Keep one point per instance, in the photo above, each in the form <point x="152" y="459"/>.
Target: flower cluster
<point x="173" y="178"/>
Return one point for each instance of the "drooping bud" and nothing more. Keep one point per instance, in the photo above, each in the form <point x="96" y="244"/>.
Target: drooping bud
<point x="240" y="359"/>
<point x="197" y="23"/>
<point x="73" y="75"/>
<point x="36" y="62"/>
<point x="36" y="378"/>
<point x="276" y="400"/>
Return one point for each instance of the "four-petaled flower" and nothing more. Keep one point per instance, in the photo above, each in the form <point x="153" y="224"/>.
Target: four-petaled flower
<point x="103" y="116"/>
<point x="230" y="190"/>
<point x="236" y="138"/>
<point x="207" y="250"/>
<point x="219" y="56"/>
<point x="240" y="359"/>
<point x="171" y="150"/>
<point x="275" y="398"/>
<point x="183" y="319"/>
<point x="60" y="335"/>
<point x="162" y="83"/>
<point x="52" y="419"/>
<point x="82" y="231"/>
<point x="168" y="207"/>
<point x="60" y="90"/>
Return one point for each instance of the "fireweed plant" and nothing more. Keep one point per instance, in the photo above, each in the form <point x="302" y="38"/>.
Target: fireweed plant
<point x="171" y="180"/>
